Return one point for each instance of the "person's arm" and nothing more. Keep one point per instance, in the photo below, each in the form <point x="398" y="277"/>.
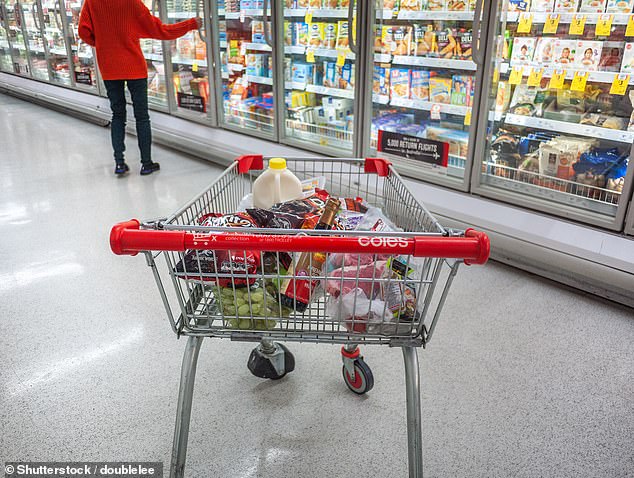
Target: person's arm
<point x="85" y="29"/>
<point x="152" y="27"/>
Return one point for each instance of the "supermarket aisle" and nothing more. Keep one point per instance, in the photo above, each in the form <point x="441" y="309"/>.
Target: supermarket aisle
<point x="523" y="378"/>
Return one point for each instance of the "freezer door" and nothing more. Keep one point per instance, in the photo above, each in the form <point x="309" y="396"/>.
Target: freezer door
<point x="27" y="17"/>
<point x="629" y="225"/>
<point x="153" y="53"/>
<point x="556" y="121"/>
<point x="320" y="71"/>
<point x="55" y="39"/>
<point x="6" y="62"/>
<point x="84" y="69"/>
<point x="424" y="84"/>
<point x="245" y="94"/>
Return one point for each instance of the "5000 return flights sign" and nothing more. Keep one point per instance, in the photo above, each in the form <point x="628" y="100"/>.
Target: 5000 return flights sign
<point x="412" y="147"/>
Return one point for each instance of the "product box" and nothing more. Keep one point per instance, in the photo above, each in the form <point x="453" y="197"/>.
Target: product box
<point x="331" y="80"/>
<point x="288" y="69"/>
<point x="257" y="31"/>
<point x="542" y="6"/>
<point x="318" y="74"/>
<point x="440" y="90"/>
<point x="519" y="5"/>
<point x="564" y="53"/>
<point x="566" y="6"/>
<point x="437" y="5"/>
<point x="330" y="35"/>
<point x="620" y="6"/>
<point x="446" y="44"/>
<point x="503" y="98"/>
<point x="289" y="33"/>
<point x="412" y="5"/>
<point x="457" y="5"/>
<point x="419" y="86"/>
<point x="627" y="65"/>
<point x="402" y="40"/>
<point x="302" y="73"/>
<point x="257" y="64"/>
<point x="611" y="58"/>
<point x="593" y="6"/>
<point x="381" y="80"/>
<point x="386" y="39"/>
<point x="302" y="33"/>
<point x="424" y="40"/>
<point x="400" y="82"/>
<point x="342" y="35"/>
<point x="588" y="55"/>
<point x="461" y="89"/>
<point x="544" y="52"/>
<point x="346" y="76"/>
<point x="330" y="4"/>
<point x="523" y="49"/>
<point x="317" y="34"/>
<point x="465" y="44"/>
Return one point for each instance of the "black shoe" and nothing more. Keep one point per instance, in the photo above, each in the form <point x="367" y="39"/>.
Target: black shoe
<point x="149" y="168"/>
<point x="121" y="168"/>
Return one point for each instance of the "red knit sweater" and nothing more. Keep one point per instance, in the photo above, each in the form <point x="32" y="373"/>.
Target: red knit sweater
<point x="114" y="28"/>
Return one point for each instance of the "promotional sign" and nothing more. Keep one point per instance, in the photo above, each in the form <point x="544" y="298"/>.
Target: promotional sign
<point x="412" y="147"/>
<point x="191" y="102"/>
<point x="83" y="77"/>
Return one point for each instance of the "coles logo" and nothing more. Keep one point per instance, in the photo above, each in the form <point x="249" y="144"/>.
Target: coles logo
<point x="383" y="242"/>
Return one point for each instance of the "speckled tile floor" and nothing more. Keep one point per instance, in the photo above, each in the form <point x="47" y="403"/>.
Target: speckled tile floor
<point x="523" y="378"/>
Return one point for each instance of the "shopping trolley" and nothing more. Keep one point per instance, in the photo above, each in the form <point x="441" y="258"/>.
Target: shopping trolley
<point x="383" y="287"/>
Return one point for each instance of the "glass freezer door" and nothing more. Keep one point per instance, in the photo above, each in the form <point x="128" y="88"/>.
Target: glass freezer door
<point x="6" y="62"/>
<point x="247" y="67"/>
<point x="558" y="113"/>
<point x="35" y="39"/>
<point x="17" y="39"/>
<point x="153" y="52"/>
<point x="56" y="40"/>
<point x="84" y="67"/>
<point x="424" y="81"/>
<point x="190" y="68"/>
<point x="319" y="74"/>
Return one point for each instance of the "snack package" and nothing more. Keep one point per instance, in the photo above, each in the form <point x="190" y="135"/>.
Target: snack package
<point x="519" y="5"/>
<point x="588" y="55"/>
<point x="330" y="35"/>
<point x="566" y="6"/>
<point x="523" y="49"/>
<point x="456" y="5"/>
<point x="440" y="90"/>
<point x="564" y="53"/>
<point x="291" y="214"/>
<point x="346" y="76"/>
<point x="411" y="5"/>
<point x="436" y="5"/>
<point x="460" y="89"/>
<point x="465" y="44"/>
<point x="446" y="43"/>
<point x="503" y="97"/>
<point x="627" y="65"/>
<point x="619" y="6"/>
<point x="596" y="165"/>
<point x="317" y="34"/>
<point x="302" y="33"/>
<point x="611" y="58"/>
<point x="342" y="35"/>
<point x="402" y="40"/>
<point x="257" y="31"/>
<point x="400" y="82"/>
<point x="542" y="6"/>
<point x="593" y="6"/>
<point x="424" y="40"/>
<point x="419" y="88"/>
<point x="360" y="313"/>
<point x="544" y="52"/>
<point x="381" y="80"/>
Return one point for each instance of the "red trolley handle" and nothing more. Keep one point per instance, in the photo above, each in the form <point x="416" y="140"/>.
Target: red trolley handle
<point x="127" y="238"/>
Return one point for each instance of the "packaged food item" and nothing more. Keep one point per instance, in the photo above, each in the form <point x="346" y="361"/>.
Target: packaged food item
<point x="302" y="33"/>
<point x="381" y="80"/>
<point x="564" y="53"/>
<point x="386" y="39"/>
<point x="461" y="89"/>
<point x="588" y="55"/>
<point x="314" y="3"/>
<point x="503" y="97"/>
<point x="330" y="35"/>
<point x="275" y="185"/>
<point x="400" y="82"/>
<point x="627" y="65"/>
<point x="542" y="5"/>
<point x="424" y="40"/>
<point x="317" y="34"/>
<point x="342" y="35"/>
<point x="439" y="90"/>
<point x="419" y="89"/>
<point x="302" y="73"/>
<point x="446" y="43"/>
<point x="252" y="307"/>
<point x="257" y="31"/>
<point x="331" y="79"/>
<point x="436" y="5"/>
<point x="596" y="165"/>
<point x="523" y="49"/>
<point x="411" y="5"/>
<point x="544" y="52"/>
<point x="519" y="5"/>
<point x="346" y="76"/>
<point x="620" y="6"/>
<point x="566" y="6"/>
<point x="402" y="40"/>
<point x="465" y="44"/>
<point x="457" y="5"/>
<point x="593" y="6"/>
<point x="603" y="121"/>
<point x="611" y="58"/>
<point x="330" y="3"/>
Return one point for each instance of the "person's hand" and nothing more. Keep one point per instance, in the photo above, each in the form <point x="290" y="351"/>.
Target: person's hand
<point x="199" y="22"/>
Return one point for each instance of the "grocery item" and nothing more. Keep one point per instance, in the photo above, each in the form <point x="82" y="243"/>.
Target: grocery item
<point x="523" y="48"/>
<point x="436" y="5"/>
<point x="593" y="6"/>
<point x="465" y="44"/>
<point x="292" y="214"/>
<point x="317" y="35"/>
<point x="627" y="65"/>
<point x="611" y="58"/>
<point x="252" y="307"/>
<point x="419" y="89"/>
<point x="402" y="38"/>
<point x="519" y="5"/>
<point x="330" y="35"/>
<point x="564" y="53"/>
<point x="588" y="55"/>
<point x="276" y="184"/>
<point x="342" y="35"/>
<point x="446" y="44"/>
<point x="542" y="5"/>
<point x="439" y="90"/>
<point x="460" y="89"/>
<point x="456" y="5"/>
<point x="544" y="51"/>
<point x="414" y="5"/>
<point x="566" y="6"/>
<point x="302" y="33"/>
<point x="596" y="165"/>
<point x="619" y="6"/>
<point x="381" y="80"/>
<point x="423" y="41"/>
<point x="400" y="82"/>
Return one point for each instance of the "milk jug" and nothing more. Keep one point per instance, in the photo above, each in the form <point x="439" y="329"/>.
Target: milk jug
<point x="276" y="184"/>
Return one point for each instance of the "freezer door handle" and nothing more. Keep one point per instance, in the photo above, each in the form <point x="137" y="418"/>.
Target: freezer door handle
<point x="351" y="39"/>
<point x="267" y="29"/>
<point x="33" y="7"/>
<point x="476" y="54"/>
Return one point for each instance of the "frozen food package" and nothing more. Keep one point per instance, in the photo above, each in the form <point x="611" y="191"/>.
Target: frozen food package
<point x="519" y="5"/>
<point x="436" y="5"/>
<point x="588" y="55"/>
<point x="446" y="43"/>
<point x="564" y="53"/>
<point x="544" y="52"/>
<point x="620" y="6"/>
<point x="465" y="44"/>
<point x="423" y="40"/>
<point x="566" y="6"/>
<point x="542" y="6"/>
<point x="400" y="82"/>
<point x="302" y="33"/>
<point x="523" y="49"/>
<point x="317" y="34"/>
<point x="611" y="58"/>
<point x="342" y="35"/>
<point x="419" y="89"/>
<point x="593" y="6"/>
<point x="414" y="5"/>
<point x="440" y="90"/>
<point x="330" y="35"/>
<point x="402" y="37"/>
<point x="460" y="88"/>
<point x="456" y="5"/>
<point x="381" y="80"/>
<point x="627" y="65"/>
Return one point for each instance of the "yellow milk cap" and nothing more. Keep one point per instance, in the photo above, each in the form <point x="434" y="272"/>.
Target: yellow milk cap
<point x="277" y="163"/>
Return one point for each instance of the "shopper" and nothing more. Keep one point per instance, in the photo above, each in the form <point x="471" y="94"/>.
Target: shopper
<point x="114" y="28"/>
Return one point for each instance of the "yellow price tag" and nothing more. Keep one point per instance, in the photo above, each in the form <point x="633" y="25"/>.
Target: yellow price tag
<point x="341" y="57"/>
<point x="577" y="24"/>
<point x="535" y="76"/>
<point x="579" y="81"/>
<point x="467" y="117"/>
<point x="195" y="66"/>
<point x="525" y="22"/>
<point x="496" y="75"/>
<point x="309" y="17"/>
<point x="515" y="78"/>
<point x="604" y="25"/>
<point x="557" y="80"/>
<point x="619" y="85"/>
<point x="310" y="55"/>
<point x="629" y="31"/>
<point x="551" y="23"/>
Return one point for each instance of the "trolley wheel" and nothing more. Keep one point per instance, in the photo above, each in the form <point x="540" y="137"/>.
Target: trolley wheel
<point x="363" y="378"/>
<point x="273" y="364"/>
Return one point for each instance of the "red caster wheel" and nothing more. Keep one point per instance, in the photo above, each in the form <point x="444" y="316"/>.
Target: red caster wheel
<point x="356" y="373"/>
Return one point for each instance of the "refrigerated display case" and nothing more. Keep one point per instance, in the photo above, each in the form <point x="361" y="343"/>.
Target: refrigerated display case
<point x="37" y="48"/>
<point x="86" y="76"/>
<point x="55" y="38"/>
<point x="557" y="113"/>
<point x="245" y="91"/>
<point x="153" y="53"/>
<point x="425" y="81"/>
<point x="6" y="62"/>
<point x="320" y="74"/>
<point x="190" y="65"/>
<point x="17" y="42"/>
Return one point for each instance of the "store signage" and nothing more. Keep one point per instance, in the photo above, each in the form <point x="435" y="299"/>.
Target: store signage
<point x="83" y="77"/>
<point x="412" y="147"/>
<point x="191" y="102"/>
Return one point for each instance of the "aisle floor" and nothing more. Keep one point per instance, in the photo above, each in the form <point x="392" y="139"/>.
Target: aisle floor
<point x="524" y="378"/>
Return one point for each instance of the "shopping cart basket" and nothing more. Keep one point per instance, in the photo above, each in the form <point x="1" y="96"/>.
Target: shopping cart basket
<point x="353" y="295"/>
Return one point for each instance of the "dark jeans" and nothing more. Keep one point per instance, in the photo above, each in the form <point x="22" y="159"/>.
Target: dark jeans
<point x="116" y="95"/>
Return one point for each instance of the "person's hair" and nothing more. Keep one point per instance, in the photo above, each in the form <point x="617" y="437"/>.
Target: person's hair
<point x="524" y="47"/>
<point x="588" y="50"/>
<point x="566" y="49"/>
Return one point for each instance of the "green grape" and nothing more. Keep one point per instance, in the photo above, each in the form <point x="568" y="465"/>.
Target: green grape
<point x="244" y="309"/>
<point x="230" y="309"/>
<point x="255" y="309"/>
<point x="234" y="323"/>
<point x="240" y="302"/>
<point x="227" y="291"/>
<point x="257" y="296"/>
<point x="260" y="325"/>
<point x="270" y="324"/>
<point x="245" y="324"/>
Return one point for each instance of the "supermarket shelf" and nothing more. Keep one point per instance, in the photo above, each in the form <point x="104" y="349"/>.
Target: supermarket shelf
<point x="319" y="12"/>
<point x="382" y="58"/>
<point x="571" y="128"/>
<point x="323" y="90"/>
<point x="427" y="15"/>
<point x="319" y="134"/>
<point x="427" y="106"/>
<point x="257" y="46"/>
<point x="189" y="61"/>
<point x="591" y="18"/>
<point x="153" y="56"/>
<point x="594" y="76"/>
<point x="434" y="62"/>
<point x="262" y="80"/>
<point x="58" y="51"/>
<point x="295" y="49"/>
<point x="291" y="85"/>
<point x="4" y="44"/>
<point x="235" y="66"/>
<point x="180" y="15"/>
<point x="380" y="99"/>
<point x="223" y="44"/>
<point x="323" y="52"/>
<point x="249" y="12"/>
